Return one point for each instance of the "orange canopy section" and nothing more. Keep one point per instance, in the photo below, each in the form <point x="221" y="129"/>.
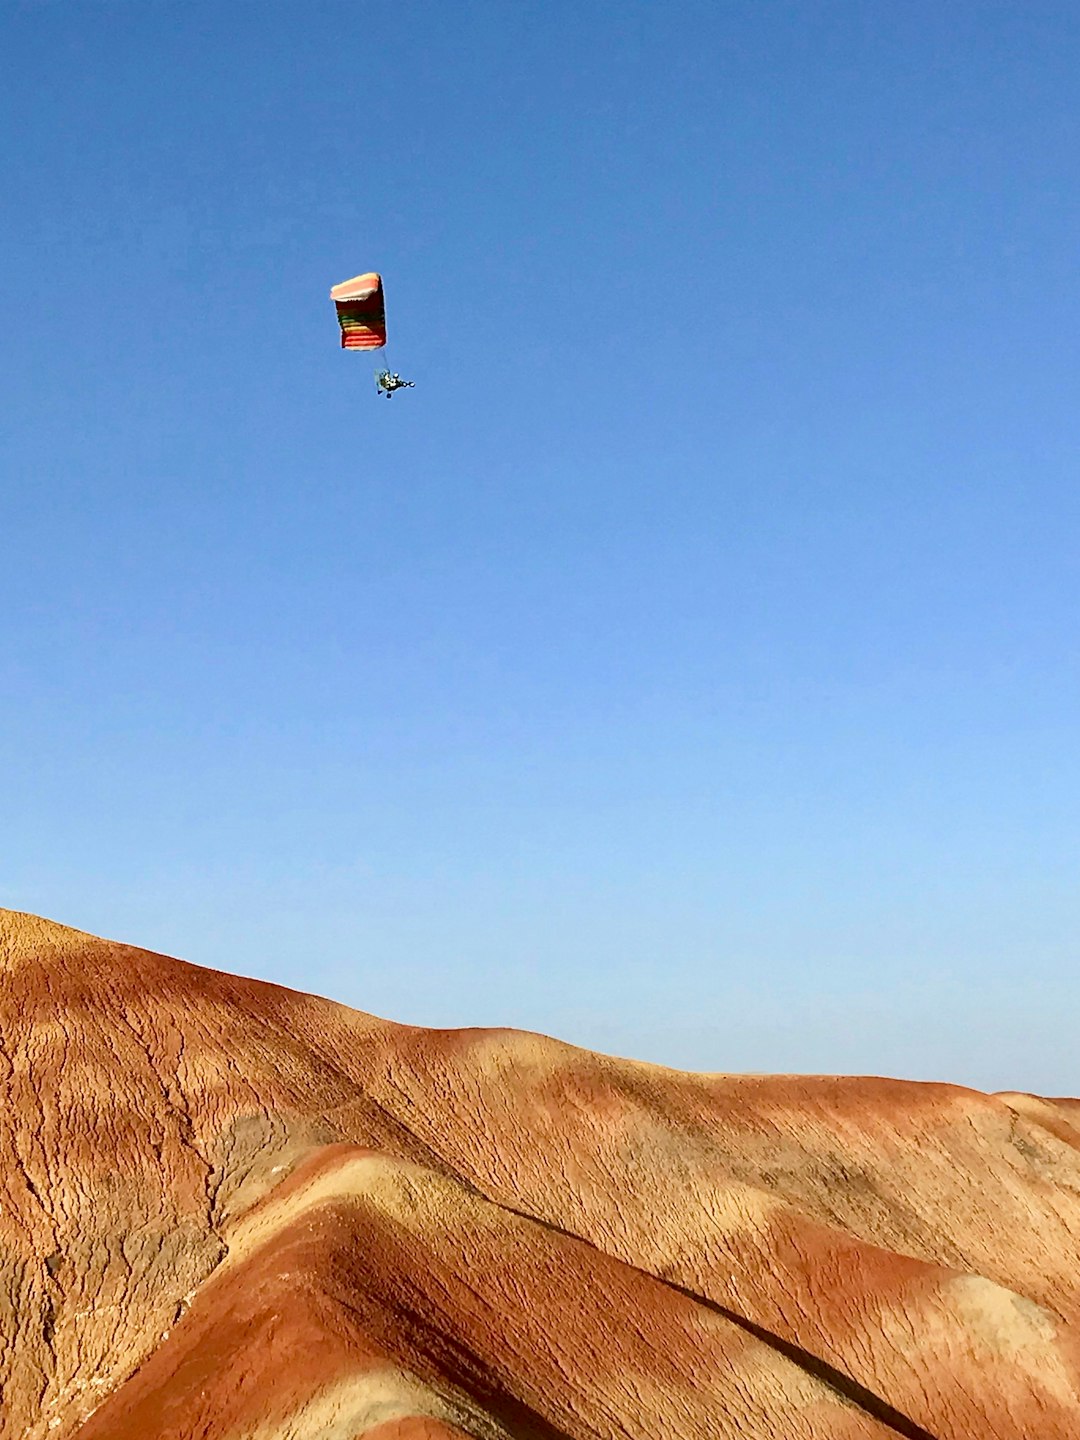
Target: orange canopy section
<point x="361" y="312"/>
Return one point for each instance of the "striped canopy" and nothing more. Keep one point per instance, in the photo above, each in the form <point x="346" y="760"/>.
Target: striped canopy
<point x="361" y="312"/>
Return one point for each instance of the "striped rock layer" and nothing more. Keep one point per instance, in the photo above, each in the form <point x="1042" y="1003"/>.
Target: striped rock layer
<point x="229" y="1211"/>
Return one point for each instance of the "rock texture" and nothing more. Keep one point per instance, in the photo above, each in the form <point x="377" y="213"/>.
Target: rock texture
<point x="229" y="1211"/>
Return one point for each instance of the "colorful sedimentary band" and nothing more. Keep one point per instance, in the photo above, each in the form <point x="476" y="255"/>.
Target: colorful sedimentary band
<point x="361" y="312"/>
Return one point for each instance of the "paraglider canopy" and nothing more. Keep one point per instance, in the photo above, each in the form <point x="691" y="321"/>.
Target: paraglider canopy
<point x="361" y="312"/>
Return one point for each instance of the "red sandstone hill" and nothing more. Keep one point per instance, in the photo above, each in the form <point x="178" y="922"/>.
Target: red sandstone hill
<point x="229" y="1211"/>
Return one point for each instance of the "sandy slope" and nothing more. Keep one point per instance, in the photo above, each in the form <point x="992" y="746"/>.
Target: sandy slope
<point x="230" y="1210"/>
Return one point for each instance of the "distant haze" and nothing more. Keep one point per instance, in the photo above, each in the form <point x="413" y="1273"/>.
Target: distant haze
<point x="687" y="666"/>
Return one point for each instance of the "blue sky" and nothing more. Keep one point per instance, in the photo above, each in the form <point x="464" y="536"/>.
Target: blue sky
<point x="688" y="665"/>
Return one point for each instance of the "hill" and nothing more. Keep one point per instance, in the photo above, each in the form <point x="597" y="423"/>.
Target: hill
<point x="232" y="1210"/>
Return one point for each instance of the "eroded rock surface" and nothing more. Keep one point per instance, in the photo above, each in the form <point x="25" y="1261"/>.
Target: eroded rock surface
<point x="229" y="1211"/>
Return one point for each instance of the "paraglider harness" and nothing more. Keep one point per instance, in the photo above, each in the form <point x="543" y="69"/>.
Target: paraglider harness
<point x="388" y="381"/>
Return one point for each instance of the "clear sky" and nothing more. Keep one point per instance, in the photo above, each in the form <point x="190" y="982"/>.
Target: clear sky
<point x="689" y="666"/>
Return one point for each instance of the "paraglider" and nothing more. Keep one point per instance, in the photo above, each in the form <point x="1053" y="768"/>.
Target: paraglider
<point x="361" y="313"/>
<point x="387" y="381"/>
